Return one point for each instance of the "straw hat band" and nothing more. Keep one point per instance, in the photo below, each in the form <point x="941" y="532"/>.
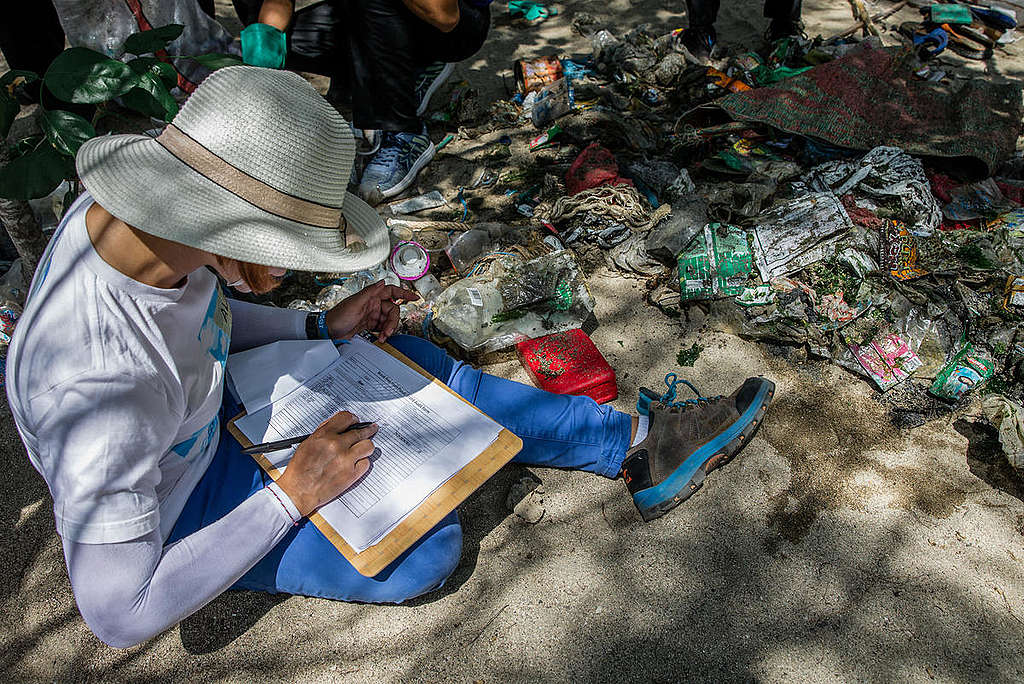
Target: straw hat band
<point x="255" y="192"/>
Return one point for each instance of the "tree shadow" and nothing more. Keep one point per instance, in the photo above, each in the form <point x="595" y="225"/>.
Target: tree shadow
<point x="224" y="619"/>
<point x="483" y="511"/>
<point x="986" y="459"/>
<point x="26" y="512"/>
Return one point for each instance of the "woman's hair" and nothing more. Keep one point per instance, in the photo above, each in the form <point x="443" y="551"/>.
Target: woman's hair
<point x="256" y="276"/>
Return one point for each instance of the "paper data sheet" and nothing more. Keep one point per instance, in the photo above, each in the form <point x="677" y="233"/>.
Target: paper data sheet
<point x="425" y="435"/>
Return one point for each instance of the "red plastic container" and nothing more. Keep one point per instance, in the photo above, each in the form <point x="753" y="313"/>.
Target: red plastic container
<point x="568" y="363"/>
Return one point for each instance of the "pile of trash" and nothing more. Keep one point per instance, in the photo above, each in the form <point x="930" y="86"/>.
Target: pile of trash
<point x="888" y="239"/>
<point x="856" y="198"/>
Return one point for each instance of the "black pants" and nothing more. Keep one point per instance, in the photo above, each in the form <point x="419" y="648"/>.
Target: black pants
<point x="376" y="49"/>
<point x="704" y="12"/>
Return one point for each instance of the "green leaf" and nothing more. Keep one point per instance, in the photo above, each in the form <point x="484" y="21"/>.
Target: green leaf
<point x="9" y="78"/>
<point x="144" y="42"/>
<point x="35" y="174"/>
<point x="9" y="109"/>
<point x="83" y="75"/>
<point x="151" y="65"/>
<point x="144" y="103"/>
<point x="66" y="131"/>
<point x="152" y="98"/>
<point x="214" y="61"/>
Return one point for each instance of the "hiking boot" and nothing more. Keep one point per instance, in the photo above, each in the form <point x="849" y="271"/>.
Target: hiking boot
<point x="430" y="79"/>
<point x="688" y="439"/>
<point x="696" y="43"/>
<point x="394" y="166"/>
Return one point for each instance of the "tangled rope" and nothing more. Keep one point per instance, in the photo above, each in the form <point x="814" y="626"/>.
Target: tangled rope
<point x="619" y="203"/>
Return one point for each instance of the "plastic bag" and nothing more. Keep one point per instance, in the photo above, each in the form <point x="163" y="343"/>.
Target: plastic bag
<point x="1008" y="418"/>
<point x="104" y="25"/>
<point x="886" y="174"/>
<point x="594" y="166"/>
<point x="514" y="301"/>
<point x="795" y="234"/>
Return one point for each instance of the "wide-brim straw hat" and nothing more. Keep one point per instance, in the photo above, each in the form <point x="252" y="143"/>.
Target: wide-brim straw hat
<point x="254" y="167"/>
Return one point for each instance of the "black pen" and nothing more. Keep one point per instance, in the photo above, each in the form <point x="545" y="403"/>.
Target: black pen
<point x="268" y="447"/>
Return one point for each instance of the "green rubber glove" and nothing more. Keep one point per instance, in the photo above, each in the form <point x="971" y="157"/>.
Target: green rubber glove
<point x="263" y="46"/>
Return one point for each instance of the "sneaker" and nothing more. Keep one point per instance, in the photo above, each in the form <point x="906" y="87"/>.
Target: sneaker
<point x="429" y="81"/>
<point x="688" y="439"/>
<point x="697" y="42"/>
<point x="395" y="165"/>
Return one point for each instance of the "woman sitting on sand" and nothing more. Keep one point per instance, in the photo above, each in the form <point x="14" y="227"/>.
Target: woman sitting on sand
<point x="116" y="372"/>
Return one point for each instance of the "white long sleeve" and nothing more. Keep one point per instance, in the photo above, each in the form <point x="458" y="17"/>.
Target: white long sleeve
<point x="131" y="591"/>
<point x="254" y="324"/>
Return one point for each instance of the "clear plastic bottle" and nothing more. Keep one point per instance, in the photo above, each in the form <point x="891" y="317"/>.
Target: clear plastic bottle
<point x="516" y="300"/>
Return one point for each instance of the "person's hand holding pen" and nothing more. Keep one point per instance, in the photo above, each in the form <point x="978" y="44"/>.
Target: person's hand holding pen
<point x="328" y="462"/>
<point x="374" y="308"/>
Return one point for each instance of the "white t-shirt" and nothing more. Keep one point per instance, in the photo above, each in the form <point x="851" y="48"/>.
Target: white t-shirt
<point x="115" y="387"/>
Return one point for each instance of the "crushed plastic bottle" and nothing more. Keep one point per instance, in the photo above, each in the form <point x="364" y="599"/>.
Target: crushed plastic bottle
<point x="514" y="301"/>
<point x="351" y="284"/>
<point x="601" y="42"/>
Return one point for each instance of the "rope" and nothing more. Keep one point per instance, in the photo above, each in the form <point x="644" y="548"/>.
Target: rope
<point x="619" y="203"/>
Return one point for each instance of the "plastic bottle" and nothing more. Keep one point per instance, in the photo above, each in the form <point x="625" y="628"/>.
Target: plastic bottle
<point x="514" y="301"/>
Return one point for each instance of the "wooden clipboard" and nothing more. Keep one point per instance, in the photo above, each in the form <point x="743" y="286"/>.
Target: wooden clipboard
<point x="434" y="508"/>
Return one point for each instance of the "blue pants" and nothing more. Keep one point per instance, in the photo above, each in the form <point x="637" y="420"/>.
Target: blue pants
<point x="557" y="430"/>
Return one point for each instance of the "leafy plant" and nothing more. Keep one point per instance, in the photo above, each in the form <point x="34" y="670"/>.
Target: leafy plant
<point x="83" y="76"/>
<point x="687" y="357"/>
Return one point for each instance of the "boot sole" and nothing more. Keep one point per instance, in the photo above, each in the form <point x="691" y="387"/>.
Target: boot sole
<point x="722" y="449"/>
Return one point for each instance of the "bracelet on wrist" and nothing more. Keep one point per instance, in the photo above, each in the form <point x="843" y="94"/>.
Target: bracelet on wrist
<point x="316" y="326"/>
<point x="321" y="324"/>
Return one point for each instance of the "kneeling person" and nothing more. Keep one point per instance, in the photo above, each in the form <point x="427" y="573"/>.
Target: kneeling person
<point x="389" y="56"/>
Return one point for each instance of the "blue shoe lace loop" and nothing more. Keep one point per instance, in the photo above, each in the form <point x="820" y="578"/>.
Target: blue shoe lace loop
<point x="669" y="397"/>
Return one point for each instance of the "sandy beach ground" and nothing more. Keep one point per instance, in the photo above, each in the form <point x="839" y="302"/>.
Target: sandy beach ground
<point x="835" y="547"/>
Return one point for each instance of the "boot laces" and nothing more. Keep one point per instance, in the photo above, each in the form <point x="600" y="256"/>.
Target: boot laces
<point x="669" y="398"/>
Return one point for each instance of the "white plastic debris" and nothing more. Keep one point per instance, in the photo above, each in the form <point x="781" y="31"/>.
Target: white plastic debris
<point x="1008" y="418"/>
